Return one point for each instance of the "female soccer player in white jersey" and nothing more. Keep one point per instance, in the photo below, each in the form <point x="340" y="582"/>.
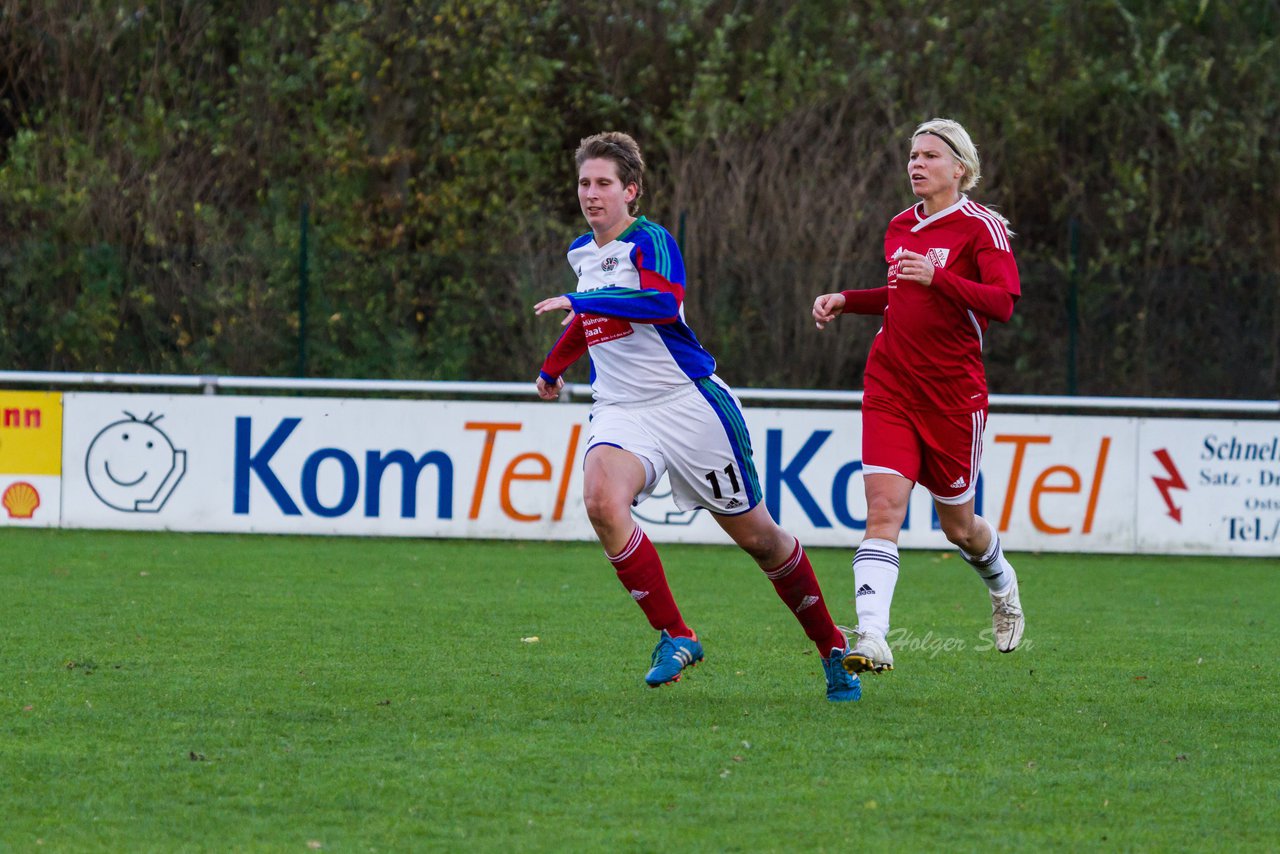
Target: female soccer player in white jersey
<point x="924" y="406"/>
<point x="660" y="408"/>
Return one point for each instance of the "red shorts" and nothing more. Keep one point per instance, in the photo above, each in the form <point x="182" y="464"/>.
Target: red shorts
<point x="940" y="451"/>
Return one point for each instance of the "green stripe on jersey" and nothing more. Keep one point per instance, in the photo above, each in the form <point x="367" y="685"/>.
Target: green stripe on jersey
<point x="662" y="252"/>
<point x="619" y="293"/>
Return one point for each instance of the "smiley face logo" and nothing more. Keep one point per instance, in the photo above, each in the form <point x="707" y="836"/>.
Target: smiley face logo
<point x="132" y="466"/>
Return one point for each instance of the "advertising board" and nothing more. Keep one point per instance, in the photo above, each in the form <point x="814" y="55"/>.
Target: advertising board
<point x="513" y="471"/>
<point x="30" y="458"/>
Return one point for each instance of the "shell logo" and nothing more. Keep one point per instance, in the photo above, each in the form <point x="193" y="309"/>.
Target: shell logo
<point x="21" y="500"/>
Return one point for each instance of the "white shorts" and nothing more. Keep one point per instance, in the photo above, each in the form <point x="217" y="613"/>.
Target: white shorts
<point x="697" y="436"/>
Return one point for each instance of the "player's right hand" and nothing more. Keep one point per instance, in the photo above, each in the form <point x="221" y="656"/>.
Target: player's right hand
<point x="827" y="308"/>
<point x="553" y="303"/>
<point x="546" y="391"/>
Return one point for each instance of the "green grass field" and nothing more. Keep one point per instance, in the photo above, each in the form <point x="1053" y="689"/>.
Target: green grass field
<point x="236" y="693"/>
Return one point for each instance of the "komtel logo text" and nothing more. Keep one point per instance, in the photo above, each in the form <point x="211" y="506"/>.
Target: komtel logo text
<point x="250" y="464"/>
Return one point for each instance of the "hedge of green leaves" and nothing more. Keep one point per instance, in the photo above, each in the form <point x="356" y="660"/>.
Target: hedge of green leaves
<point x="156" y="161"/>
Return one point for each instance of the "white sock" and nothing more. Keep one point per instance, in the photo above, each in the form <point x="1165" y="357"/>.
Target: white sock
<point x="992" y="567"/>
<point x="875" y="573"/>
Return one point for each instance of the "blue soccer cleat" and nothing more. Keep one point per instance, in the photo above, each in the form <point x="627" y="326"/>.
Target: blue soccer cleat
<point x="670" y="657"/>
<point x="842" y="686"/>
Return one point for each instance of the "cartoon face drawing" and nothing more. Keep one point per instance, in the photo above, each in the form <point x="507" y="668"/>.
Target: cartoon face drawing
<point x="132" y="466"/>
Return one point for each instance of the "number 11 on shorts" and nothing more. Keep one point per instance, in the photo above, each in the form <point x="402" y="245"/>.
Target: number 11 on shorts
<point x="714" y="479"/>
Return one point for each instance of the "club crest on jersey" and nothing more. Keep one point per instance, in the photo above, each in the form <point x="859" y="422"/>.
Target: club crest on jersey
<point x="938" y="257"/>
<point x="609" y="265"/>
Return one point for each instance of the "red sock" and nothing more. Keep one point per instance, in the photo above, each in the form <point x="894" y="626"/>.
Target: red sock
<point x="640" y="571"/>
<point x="797" y="586"/>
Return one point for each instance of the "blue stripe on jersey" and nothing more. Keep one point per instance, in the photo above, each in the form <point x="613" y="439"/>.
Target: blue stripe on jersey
<point x="660" y="252"/>
<point x="735" y="427"/>
<point x="685" y="350"/>
<point x="627" y="303"/>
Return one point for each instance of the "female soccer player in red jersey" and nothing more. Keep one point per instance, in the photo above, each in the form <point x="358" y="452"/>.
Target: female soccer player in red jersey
<point x="950" y="272"/>
<point x="659" y="407"/>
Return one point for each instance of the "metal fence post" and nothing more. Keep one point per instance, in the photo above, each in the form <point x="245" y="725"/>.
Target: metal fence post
<point x="303" y="275"/>
<point x="1073" y="304"/>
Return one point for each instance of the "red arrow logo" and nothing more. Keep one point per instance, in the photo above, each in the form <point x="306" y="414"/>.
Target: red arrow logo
<point x="1173" y="481"/>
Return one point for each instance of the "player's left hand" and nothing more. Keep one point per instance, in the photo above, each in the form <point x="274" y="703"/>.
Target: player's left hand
<point x="553" y="303"/>
<point x="547" y="391"/>
<point x="914" y="267"/>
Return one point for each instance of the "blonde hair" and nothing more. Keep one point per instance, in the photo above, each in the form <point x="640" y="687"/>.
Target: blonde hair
<point x="957" y="139"/>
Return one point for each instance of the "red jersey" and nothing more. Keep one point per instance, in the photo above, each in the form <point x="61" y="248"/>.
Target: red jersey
<point x="928" y="353"/>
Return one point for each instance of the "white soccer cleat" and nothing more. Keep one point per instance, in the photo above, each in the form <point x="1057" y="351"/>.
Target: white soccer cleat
<point x="871" y="654"/>
<point x="1006" y="617"/>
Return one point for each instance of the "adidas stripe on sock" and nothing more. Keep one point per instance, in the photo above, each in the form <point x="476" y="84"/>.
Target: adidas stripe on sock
<point x="875" y="574"/>
<point x="797" y="587"/>
<point x="992" y="567"/>
<point x="640" y="571"/>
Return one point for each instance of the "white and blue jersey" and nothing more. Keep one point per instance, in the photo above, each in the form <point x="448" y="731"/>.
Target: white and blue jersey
<point x="630" y="317"/>
<point x="656" y="393"/>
